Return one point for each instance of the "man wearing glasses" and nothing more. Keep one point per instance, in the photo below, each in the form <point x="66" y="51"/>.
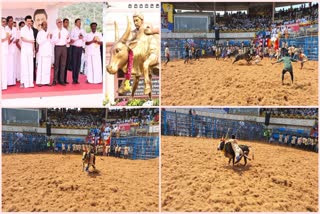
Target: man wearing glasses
<point x="60" y="39"/>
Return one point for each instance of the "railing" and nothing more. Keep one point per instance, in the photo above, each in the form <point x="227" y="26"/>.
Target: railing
<point x="179" y="124"/>
<point x="139" y="147"/>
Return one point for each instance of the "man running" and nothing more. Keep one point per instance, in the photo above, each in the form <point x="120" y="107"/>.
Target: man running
<point x="302" y="58"/>
<point x="287" y="66"/>
<point x="167" y="54"/>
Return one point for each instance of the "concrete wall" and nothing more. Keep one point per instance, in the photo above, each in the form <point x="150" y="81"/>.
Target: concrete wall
<point x="54" y="131"/>
<point x="234" y="36"/>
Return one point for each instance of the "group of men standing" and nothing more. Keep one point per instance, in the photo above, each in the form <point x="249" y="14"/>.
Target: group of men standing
<point x="28" y="54"/>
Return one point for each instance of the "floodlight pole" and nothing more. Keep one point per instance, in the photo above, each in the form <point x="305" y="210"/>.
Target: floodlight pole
<point x="273" y="8"/>
<point x="214" y="13"/>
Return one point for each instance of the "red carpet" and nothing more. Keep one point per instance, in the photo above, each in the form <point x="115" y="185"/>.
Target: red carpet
<point x="57" y="90"/>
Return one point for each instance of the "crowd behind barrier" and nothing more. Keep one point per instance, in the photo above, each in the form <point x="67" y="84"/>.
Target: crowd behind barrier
<point x="297" y="113"/>
<point x="146" y="147"/>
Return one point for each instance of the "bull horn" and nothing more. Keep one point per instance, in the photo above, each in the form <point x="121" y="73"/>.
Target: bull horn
<point x="116" y="32"/>
<point x="126" y="34"/>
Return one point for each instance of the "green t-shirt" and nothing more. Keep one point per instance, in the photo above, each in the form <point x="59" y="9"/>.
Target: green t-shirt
<point x="287" y="62"/>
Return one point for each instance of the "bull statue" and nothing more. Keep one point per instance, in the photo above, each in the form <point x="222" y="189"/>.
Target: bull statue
<point x="137" y="52"/>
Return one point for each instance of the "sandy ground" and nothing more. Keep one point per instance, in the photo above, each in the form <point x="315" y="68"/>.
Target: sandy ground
<point x="196" y="177"/>
<point x="48" y="182"/>
<point x="211" y="82"/>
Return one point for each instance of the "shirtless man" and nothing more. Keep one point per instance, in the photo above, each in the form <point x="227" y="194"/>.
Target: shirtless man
<point x="302" y="58"/>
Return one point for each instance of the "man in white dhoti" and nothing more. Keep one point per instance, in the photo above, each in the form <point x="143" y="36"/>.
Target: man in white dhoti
<point x="44" y="55"/>
<point x="93" y="42"/>
<point x="27" y="53"/>
<point x="5" y="37"/>
<point x="18" y="52"/>
<point x="11" y="63"/>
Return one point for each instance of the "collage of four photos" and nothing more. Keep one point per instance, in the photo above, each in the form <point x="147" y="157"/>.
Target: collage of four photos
<point x="159" y="106"/>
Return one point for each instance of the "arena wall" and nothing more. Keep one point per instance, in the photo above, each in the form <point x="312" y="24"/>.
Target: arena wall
<point x="54" y="131"/>
<point x="234" y="36"/>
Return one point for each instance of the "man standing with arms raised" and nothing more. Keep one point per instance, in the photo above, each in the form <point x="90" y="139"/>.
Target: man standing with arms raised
<point x="94" y="40"/>
<point x="60" y="39"/>
<point x="44" y="55"/>
<point x="77" y="42"/>
<point x="27" y="53"/>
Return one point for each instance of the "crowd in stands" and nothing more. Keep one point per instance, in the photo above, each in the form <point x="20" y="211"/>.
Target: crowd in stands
<point x="297" y="113"/>
<point x="240" y="21"/>
<point x="74" y="118"/>
<point x="89" y="118"/>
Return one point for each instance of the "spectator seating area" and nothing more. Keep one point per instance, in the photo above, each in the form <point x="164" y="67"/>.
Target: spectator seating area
<point x="241" y="22"/>
<point x="294" y="113"/>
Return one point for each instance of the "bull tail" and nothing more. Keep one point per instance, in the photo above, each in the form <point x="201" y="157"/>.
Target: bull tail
<point x="252" y="152"/>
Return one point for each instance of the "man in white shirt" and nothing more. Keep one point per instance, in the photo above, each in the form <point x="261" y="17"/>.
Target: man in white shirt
<point x="66" y="26"/>
<point x="12" y="64"/>
<point x="44" y="55"/>
<point x="18" y="52"/>
<point x="77" y="42"/>
<point x="5" y="37"/>
<point x="27" y="53"/>
<point x="60" y="39"/>
<point x="93" y="42"/>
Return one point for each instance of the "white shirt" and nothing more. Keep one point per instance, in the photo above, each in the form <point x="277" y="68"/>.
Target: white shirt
<point x="63" y="37"/>
<point x="5" y="44"/>
<point x="93" y="48"/>
<point x="14" y="37"/>
<point x="27" y="33"/>
<point x="166" y="51"/>
<point x="68" y="45"/>
<point x="45" y="44"/>
<point x="75" y="36"/>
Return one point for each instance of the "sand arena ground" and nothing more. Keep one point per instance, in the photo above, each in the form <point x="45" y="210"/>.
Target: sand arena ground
<point x="196" y="177"/>
<point x="52" y="182"/>
<point x="211" y="82"/>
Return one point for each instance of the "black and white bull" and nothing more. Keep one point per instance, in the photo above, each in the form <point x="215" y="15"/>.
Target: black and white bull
<point x="246" y="56"/>
<point x="226" y="147"/>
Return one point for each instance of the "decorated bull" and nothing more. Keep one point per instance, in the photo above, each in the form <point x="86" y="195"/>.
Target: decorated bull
<point x="136" y="53"/>
<point x="226" y="148"/>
